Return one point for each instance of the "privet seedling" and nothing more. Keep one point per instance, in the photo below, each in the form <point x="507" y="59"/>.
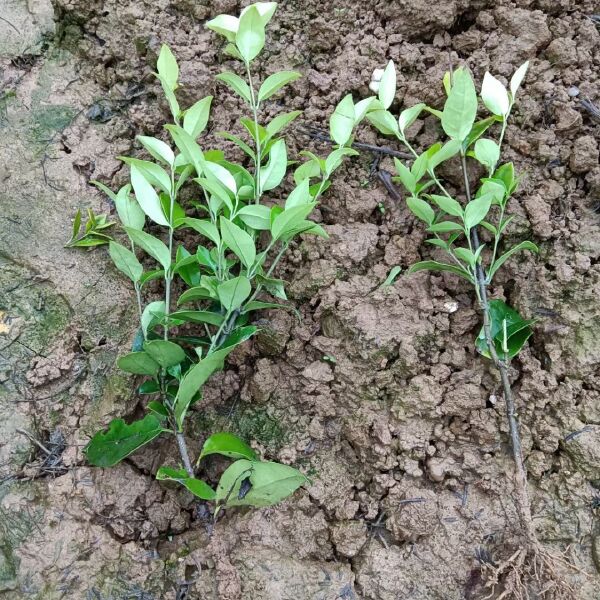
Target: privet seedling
<point x="454" y="224"/>
<point x="226" y="276"/>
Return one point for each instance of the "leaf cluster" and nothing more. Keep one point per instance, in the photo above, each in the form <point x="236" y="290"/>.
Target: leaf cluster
<point x="225" y="276"/>
<point x="450" y="220"/>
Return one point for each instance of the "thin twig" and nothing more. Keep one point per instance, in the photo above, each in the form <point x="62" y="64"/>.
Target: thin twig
<point x="523" y="505"/>
<point x="320" y="135"/>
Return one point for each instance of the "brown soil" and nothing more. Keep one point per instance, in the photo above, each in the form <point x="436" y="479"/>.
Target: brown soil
<point x="377" y="394"/>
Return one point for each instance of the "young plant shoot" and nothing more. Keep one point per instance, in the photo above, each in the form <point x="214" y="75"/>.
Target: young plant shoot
<point x="183" y="340"/>
<point x="455" y="223"/>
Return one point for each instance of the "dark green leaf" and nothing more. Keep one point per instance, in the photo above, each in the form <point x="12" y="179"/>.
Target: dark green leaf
<point x="120" y="440"/>
<point x="197" y="316"/>
<point x="165" y="353"/>
<point x="199" y="488"/>
<point x="227" y="444"/>
<point x="139" y="363"/>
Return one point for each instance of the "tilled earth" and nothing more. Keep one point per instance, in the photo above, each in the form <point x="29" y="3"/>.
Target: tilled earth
<point x="377" y="394"/>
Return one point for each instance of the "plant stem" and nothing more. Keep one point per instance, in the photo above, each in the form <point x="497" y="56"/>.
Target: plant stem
<point x="181" y="444"/>
<point x="523" y="504"/>
<point x="258" y="157"/>
<point x="183" y="451"/>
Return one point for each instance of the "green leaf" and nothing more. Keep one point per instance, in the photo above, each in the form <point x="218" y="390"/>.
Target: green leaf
<point x="188" y="147"/>
<point x="487" y="152"/>
<point x="447" y="151"/>
<point x="158" y="408"/>
<point x="275" y="287"/>
<point x="281" y="121"/>
<point x="237" y="84"/>
<point x="517" y="78"/>
<point x="478" y="129"/>
<point x="171" y="99"/>
<point x="240" y="243"/>
<point x="460" y="108"/>
<point x="432" y="265"/>
<point x="120" y="440"/>
<point x="387" y="85"/>
<point x="238" y="142"/>
<point x="227" y="444"/>
<point x="274" y="171"/>
<point x="233" y="292"/>
<point x="154" y="174"/>
<point x="167" y="67"/>
<point x="419" y="167"/>
<point x="195" y="118"/>
<point x="195" y="378"/>
<point x="406" y="177"/>
<point x="126" y="261"/>
<point x="335" y="158"/>
<point x="206" y="228"/>
<point x="300" y="195"/>
<point x="225" y="25"/>
<point x="476" y="211"/>
<point x="128" y="209"/>
<point x="286" y="221"/>
<point x="147" y="197"/>
<point x="420" y="209"/>
<point x="444" y="227"/>
<point x="250" y="36"/>
<point x="153" y="246"/>
<point x="270" y="483"/>
<point x="341" y="121"/>
<point x="502" y="259"/>
<point x="275" y="82"/>
<point x="138" y="363"/>
<point x="494" y="95"/>
<point x="104" y="189"/>
<point x="165" y="353"/>
<point x="76" y="224"/>
<point x="193" y="294"/>
<point x="503" y="319"/>
<point x="157" y="148"/>
<point x="197" y="316"/>
<point x="409" y="116"/>
<point x="362" y="107"/>
<point x="199" y="488"/>
<point x="448" y="205"/>
<point x="152" y="315"/>
<point x="466" y="255"/>
<point x="383" y="121"/>
<point x="256" y="216"/>
<point x="389" y="280"/>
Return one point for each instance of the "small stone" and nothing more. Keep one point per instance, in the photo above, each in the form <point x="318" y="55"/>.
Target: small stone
<point x="349" y="537"/>
<point x="584" y="156"/>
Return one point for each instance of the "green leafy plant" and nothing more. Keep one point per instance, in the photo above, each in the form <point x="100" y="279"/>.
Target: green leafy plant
<point x="93" y="231"/>
<point x="224" y="278"/>
<point x="455" y="224"/>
